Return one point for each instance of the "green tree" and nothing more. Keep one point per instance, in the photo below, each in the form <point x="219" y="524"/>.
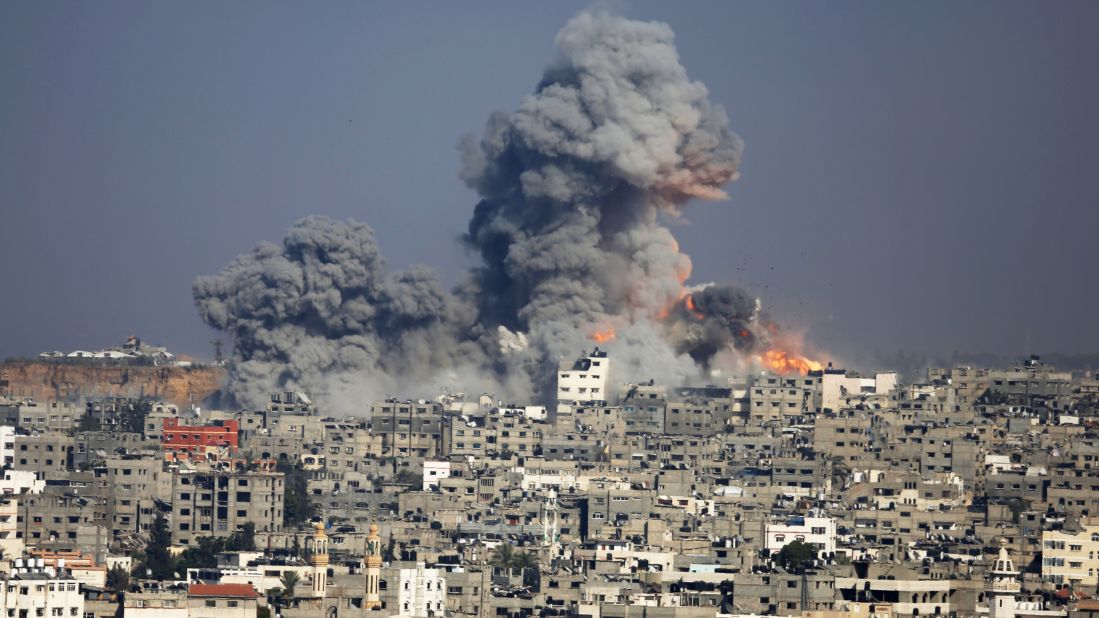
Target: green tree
<point x="118" y="579"/>
<point x="289" y="581"/>
<point x="89" y="422"/>
<point x="794" y="556"/>
<point x="243" y="540"/>
<point x="202" y="555"/>
<point x="157" y="557"/>
<point x="524" y="560"/>
<point x="503" y="556"/>
<point x="132" y="417"/>
<point x="296" y="508"/>
<point x="408" y="477"/>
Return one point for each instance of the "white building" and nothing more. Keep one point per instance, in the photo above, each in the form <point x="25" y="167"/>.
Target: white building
<point x="433" y="471"/>
<point x="837" y="384"/>
<point x="820" y="532"/>
<point x="422" y="592"/>
<point x="7" y="445"/>
<point x="583" y="380"/>
<point x="15" y="482"/>
<point x="38" y="593"/>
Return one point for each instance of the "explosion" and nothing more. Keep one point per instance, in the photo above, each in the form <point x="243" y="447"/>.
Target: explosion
<point x="603" y="336"/>
<point x="575" y="189"/>
<point x="785" y="363"/>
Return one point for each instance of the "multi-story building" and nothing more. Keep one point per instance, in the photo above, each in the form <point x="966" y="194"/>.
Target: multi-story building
<point x="218" y="500"/>
<point x="179" y="438"/>
<point x="583" y="380"/>
<point x="421" y="592"/>
<point x="1071" y="557"/>
<point x="820" y="532"/>
<point x="34" y="593"/>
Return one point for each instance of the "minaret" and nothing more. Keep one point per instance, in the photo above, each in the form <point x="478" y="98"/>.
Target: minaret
<point x="318" y="559"/>
<point x="373" y="568"/>
<point x="1003" y="585"/>
<point x="550" y="536"/>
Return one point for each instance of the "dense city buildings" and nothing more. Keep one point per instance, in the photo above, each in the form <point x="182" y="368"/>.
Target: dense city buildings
<point x="963" y="492"/>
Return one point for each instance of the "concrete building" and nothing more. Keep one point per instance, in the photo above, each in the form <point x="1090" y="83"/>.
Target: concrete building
<point x="218" y="500"/>
<point x="583" y="380"/>
<point x="820" y="532"/>
<point x="1071" y="557"/>
<point x="156" y="603"/>
<point x="222" y="601"/>
<point x="34" y="593"/>
<point x="422" y="592"/>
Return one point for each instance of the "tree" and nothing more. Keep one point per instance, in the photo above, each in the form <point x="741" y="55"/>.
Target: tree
<point x="524" y="560"/>
<point x="157" y="557"/>
<point x="132" y="417"/>
<point x="118" y="579"/>
<point x="243" y="540"/>
<point x="503" y="556"/>
<point x="408" y="477"/>
<point x="203" y="555"/>
<point x="795" y="555"/>
<point x="289" y="580"/>
<point x="296" y="509"/>
<point x="89" y="422"/>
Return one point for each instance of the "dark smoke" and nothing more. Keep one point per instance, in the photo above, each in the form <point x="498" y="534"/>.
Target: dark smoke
<point x="576" y="186"/>
<point x="575" y="182"/>
<point x="320" y="313"/>
<point x="717" y="318"/>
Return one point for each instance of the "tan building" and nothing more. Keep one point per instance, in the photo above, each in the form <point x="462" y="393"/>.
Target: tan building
<point x="222" y="601"/>
<point x="1071" y="558"/>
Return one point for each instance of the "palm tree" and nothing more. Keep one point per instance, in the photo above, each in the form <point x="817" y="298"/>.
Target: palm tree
<point x="503" y="556"/>
<point x="289" y="580"/>
<point x="524" y="560"/>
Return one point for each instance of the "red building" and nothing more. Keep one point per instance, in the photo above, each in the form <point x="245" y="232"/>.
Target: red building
<point x="198" y="438"/>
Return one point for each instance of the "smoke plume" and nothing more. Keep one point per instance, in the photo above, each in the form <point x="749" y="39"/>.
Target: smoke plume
<point x="576" y="186"/>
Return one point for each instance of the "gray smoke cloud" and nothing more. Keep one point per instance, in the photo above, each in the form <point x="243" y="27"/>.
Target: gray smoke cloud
<point x="321" y="314"/>
<point x="576" y="185"/>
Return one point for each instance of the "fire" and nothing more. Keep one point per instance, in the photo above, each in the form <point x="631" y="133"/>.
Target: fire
<point x="782" y="362"/>
<point x="694" y="310"/>
<point x="603" y="336"/>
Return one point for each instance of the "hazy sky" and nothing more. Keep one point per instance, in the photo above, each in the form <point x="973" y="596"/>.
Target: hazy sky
<point x="921" y="175"/>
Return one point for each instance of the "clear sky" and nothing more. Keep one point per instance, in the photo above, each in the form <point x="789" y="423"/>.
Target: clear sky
<point x="919" y="175"/>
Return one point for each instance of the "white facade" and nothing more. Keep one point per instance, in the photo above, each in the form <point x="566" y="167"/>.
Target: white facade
<point x="7" y="445"/>
<point x="422" y="592"/>
<point x="583" y="380"/>
<point x="433" y="471"/>
<point x="39" y="594"/>
<point x="836" y="386"/>
<point x="20" y="481"/>
<point x="817" y="531"/>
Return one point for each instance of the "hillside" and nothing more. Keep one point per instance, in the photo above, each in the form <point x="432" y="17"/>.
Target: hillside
<point x="45" y="380"/>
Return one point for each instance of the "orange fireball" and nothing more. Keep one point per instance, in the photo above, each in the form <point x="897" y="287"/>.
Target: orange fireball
<point x="783" y="363"/>
<point x="603" y="336"/>
<point x="693" y="309"/>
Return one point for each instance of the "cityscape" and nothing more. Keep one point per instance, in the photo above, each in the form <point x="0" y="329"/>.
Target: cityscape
<point x="568" y="414"/>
